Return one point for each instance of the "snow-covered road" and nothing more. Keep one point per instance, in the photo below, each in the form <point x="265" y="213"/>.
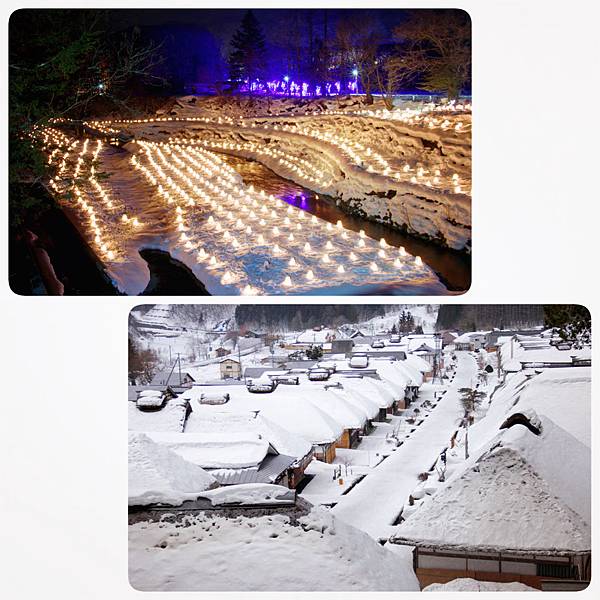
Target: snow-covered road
<point x="375" y="502"/>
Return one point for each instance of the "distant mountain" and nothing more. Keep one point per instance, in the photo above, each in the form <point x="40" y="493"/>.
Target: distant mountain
<point x="473" y="317"/>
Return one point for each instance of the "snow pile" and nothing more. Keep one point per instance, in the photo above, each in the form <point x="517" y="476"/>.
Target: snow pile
<point x="249" y="493"/>
<point x="262" y="553"/>
<point x="150" y="399"/>
<point x="159" y="476"/>
<point x="472" y="585"/>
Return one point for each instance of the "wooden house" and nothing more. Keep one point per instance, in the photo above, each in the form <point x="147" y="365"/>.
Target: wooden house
<point x="230" y="369"/>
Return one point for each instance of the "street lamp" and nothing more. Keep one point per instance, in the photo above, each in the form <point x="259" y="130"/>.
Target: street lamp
<point x="355" y="75"/>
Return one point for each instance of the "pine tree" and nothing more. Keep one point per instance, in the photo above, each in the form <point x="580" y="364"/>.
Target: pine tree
<point x="572" y="322"/>
<point x="248" y="52"/>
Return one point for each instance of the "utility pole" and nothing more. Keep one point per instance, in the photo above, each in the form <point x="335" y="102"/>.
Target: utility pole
<point x="240" y="358"/>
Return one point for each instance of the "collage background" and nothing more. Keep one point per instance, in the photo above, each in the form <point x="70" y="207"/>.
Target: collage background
<point x="63" y="476"/>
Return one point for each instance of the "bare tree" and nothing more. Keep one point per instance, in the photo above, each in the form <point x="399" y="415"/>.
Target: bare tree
<point x="438" y="44"/>
<point x="358" y="41"/>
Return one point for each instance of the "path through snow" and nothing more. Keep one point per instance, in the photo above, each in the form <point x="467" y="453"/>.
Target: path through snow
<point x="375" y="502"/>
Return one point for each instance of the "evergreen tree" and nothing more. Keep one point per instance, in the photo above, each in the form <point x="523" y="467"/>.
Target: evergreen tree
<point x="248" y="53"/>
<point x="572" y="322"/>
<point x="470" y="398"/>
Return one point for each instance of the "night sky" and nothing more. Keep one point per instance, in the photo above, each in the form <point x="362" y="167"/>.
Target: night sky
<point x="198" y="40"/>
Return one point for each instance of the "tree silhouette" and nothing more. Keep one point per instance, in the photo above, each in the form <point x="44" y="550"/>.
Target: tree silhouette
<point x="248" y="54"/>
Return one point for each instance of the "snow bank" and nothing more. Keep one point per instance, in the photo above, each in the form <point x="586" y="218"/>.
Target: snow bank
<point x="159" y="476"/>
<point x="262" y="553"/>
<point x="249" y="493"/>
<point x="472" y="585"/>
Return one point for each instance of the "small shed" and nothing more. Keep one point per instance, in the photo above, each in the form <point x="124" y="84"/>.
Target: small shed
<point x="220" y="352"/>
<point x="342" y="347"/>
<point x="230" y="369"/>
<point x="172" y="377"/>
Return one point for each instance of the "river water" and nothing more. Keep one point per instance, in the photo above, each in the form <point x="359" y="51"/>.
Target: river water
<point x="453" y="268"/>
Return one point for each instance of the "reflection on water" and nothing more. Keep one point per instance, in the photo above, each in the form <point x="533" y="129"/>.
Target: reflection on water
<point x="453" y="268"/>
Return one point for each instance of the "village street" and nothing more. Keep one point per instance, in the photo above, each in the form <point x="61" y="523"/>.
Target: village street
<point x="374" y="503"/>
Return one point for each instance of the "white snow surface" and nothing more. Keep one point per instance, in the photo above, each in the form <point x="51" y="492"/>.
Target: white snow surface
<point x="159" y="476"/>
<point x="376" y="501"/>
<point x="169" y="418"/>
<point x="205" y="419"/>
<point x="225" y="450"/>
<point x="288" y="407"/>
<point x="262" y="553"/>
<point x="466" y="584"/>
<point x="248" y="493"/>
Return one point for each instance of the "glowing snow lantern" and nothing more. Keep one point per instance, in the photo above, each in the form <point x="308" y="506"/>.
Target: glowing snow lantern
<point x="383" y="243"/>
<point x="362" y="233"/>
<point x="310" y="275"/>
<point x="381" y="253"/>
<point x="110" y="255"/>
<point x="397" y="263"/>
<point x="352" y="256"/>
<point x="212" y="261"/>
<point x="260" y="239"/>
<point x="124" y="218"/>
<point x="275" y="230"/>
<point x="339" y="225"/>
<point x="402" y="251"/>
<point x="227" y="278"/>
<point x="287" y="282"/>
<point x="313" y="220"/>
<point x="326" y="258"/>
<point x="291" y="237"/>
<point x="307" y="247"/>
<point x="418" y="261"/>
<point x="340" y="269"/>
<point x="361" y="243"/>
<point x="373" y="266"/>
<point x="329" y="245"/>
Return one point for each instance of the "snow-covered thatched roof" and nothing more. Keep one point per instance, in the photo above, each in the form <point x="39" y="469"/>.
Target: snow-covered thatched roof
<point x="158" y="475"/>
<point x="511" y="498"/>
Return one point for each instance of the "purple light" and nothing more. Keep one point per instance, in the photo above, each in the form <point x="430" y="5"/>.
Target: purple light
<point x="288" y="87"/>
